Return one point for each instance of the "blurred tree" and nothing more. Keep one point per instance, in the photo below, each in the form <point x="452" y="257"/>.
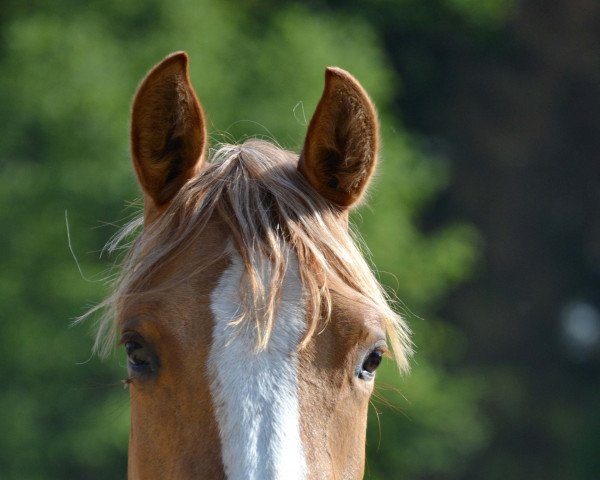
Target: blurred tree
<point x="67" y="73"/>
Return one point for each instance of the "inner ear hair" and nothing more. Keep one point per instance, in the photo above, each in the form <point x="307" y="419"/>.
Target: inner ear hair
<point x="340" y="150"/>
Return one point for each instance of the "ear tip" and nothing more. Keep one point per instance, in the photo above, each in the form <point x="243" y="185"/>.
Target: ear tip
<point x="337" y="72"/>
<point x="180" y="57"/>
<point x="339" y="76"/>
<point x="176" y="62"/>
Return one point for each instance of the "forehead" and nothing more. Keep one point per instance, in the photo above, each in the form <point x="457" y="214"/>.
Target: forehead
<point x="178" y="290"/>
<point x="180" y="293"/>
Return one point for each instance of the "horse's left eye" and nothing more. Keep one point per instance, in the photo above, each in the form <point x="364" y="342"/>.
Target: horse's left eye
<point x="370" y="364"/>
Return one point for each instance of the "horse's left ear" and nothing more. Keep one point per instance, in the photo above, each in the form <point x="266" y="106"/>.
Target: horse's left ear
<point x="340" y="150"/>
<point x="168" y="133"/>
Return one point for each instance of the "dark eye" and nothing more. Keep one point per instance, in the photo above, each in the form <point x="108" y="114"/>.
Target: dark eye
<point x="139" y="357"/>
<point x="370" y="364"/>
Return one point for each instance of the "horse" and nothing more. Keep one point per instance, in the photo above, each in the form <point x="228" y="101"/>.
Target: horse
<point x="252" y="324"/>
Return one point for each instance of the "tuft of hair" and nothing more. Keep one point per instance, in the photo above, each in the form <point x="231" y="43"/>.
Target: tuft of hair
<point x="270" y="209"/>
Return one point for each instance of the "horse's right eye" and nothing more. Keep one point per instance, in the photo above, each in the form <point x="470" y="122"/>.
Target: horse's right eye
<point x="139" y="358"/>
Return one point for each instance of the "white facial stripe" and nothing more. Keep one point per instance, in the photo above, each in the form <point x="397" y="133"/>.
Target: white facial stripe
<point x="256" y="394"/>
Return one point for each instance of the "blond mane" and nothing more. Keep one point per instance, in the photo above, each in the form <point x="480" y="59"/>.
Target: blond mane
<point x="270" y="209"/>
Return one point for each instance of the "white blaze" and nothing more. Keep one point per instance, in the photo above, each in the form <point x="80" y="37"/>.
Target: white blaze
<point x="256" y="393"/>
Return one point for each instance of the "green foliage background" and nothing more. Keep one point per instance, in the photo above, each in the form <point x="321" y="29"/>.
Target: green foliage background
<point x="68" y="70"/>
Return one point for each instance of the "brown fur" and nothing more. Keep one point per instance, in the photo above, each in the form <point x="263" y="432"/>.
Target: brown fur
<point x="263" y="200"/>
<point x="334" y="403"/>
<point x="173" y="431"/>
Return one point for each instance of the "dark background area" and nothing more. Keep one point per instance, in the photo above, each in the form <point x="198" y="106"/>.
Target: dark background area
<point x="517" y="109"/>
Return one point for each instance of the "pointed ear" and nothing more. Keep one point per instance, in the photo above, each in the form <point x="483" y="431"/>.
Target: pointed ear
<point x="168" y="133"/>
<point x="340" y="150"/>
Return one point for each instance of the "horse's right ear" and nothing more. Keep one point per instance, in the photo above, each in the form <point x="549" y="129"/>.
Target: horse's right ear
<point x="168" y="134"/>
